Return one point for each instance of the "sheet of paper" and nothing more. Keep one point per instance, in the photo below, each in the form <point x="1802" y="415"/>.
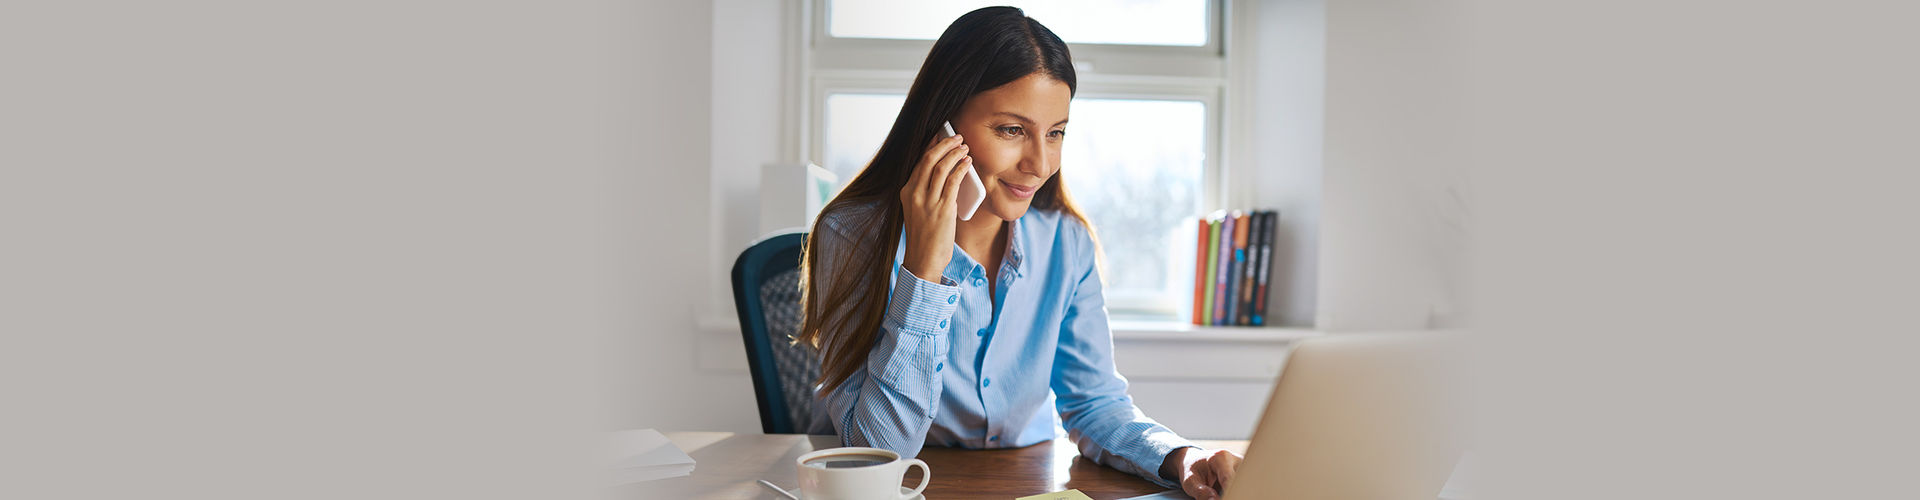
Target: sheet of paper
<point x="1058" y="495"/>
<point x="643" y="448"/>
<point x="1460" y="484"/>
<point x="644" y="455"/>
<point x="1164" y="495"/>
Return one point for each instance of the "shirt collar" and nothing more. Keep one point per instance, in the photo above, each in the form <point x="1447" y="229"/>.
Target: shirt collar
<point x="1017" y="246"/>
<point x="960" y="266"/>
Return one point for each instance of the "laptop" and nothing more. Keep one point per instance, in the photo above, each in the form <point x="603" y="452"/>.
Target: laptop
<point x="1360" y="417"/>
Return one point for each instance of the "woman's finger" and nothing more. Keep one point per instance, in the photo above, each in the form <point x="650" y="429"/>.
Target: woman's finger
<point x="937" y="184"/>
<point x="922" y="171"/>
<point x="1224" y="464"/>
<point x="1196" y="488"/>
<point x="956" y="177"/>
<point x="1203" y="471"/>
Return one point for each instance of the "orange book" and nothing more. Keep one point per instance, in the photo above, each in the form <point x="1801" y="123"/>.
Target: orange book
<point x="1200" y="275"/>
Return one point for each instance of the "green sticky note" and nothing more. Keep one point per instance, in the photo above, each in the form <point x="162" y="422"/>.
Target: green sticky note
<point x="1058" y="495"/>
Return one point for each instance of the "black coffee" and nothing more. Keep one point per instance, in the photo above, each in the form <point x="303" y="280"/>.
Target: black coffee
<point x="848" y="460"/>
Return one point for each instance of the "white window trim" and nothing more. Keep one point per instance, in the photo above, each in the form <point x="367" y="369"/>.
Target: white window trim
<point x="819" y="36"/>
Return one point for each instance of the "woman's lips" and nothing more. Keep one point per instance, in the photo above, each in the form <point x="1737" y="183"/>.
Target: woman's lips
<point x="1019" y="191"/>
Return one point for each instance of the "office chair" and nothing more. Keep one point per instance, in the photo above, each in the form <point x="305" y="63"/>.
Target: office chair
<point x="766" y="294"/>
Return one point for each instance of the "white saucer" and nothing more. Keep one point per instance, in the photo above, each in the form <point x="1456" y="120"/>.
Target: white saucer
<point x="903" y="490"/>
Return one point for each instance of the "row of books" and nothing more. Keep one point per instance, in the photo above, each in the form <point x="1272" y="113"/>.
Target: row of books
<point x="1231" y="266"/>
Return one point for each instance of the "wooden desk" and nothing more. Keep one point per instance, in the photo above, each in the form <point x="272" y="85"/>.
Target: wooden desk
<point x="727" y="465"/>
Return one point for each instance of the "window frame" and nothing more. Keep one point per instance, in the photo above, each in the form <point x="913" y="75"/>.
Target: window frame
<point x="822" y="36"/>
<point x="825" y="65"/>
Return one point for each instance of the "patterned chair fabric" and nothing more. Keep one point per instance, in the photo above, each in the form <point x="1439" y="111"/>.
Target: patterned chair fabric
<point x="797" y="365"/>
<point x="766" y="296"/>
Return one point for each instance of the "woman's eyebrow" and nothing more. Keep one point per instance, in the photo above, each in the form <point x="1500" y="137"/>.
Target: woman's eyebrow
<point x="1024" y="119"/>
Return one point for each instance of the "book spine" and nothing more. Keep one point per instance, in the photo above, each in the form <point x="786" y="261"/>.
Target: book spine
<point x="1200" y="273"/>
<point x="1244" y="296"/>
<point x="1240" y="227"/>
<point x="1266" y="267"/>
<point x="1213" y="264"/>
<point x="1225" y="256"/>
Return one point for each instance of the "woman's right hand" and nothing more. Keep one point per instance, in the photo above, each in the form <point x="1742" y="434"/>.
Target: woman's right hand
<point x="929" y="201"/>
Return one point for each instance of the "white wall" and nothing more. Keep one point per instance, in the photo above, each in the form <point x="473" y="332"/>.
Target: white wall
<point x="1394" y="225"/>
<point x="684" y="366"/>
<point x="655" y="370"/>
<point x="1282" y="56"/>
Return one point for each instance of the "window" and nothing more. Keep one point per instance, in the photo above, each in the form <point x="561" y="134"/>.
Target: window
<point x="1141" y="156"/>
<point x="1136" y="167"/>
<point x="856" y="124"/>
<point x="1137" y="22"/>
<point x="1131" y="163"/>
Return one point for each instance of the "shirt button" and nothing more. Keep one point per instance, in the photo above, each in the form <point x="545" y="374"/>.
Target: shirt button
<point x="979" y="282"/>
<point x="981" y="333"/>
<point x="953" y="298"/>
<point x="943" y="323"/>
<point x="937" y="367"/>
<point x="986" y="382"/>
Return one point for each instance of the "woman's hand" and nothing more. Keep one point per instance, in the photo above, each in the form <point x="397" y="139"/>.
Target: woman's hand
<point x="1203" y="474"/>
<point x="929" y="202"/>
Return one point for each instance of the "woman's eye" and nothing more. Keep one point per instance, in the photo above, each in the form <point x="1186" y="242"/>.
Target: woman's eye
<point x="1057" y="134"/>
<point x="1011" y="130"/>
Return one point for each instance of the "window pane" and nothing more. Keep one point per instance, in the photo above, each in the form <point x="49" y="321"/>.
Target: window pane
<point x="856" y="124"/>
<point x="1136" y="167"/>
<point x="1142" y="22"/>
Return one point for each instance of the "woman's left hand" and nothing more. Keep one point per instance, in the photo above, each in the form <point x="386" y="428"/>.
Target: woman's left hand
<point x="1204" y="474"/>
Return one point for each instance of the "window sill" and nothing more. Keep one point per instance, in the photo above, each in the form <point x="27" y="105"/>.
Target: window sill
<point x="1169" y="330"/>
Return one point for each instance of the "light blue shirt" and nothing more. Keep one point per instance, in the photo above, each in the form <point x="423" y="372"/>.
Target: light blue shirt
<point x="956" y="367"/>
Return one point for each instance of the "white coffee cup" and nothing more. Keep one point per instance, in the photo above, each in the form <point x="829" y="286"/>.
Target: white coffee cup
<point x="857" y="474"/>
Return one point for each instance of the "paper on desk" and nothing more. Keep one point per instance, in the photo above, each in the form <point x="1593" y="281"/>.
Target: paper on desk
<point x="1058" y="495"/>
<point x="644" y="455"/>
<point x="1455" y="489"/>
<point x="1460" y="483"/>
<point x="1164" y="495"/>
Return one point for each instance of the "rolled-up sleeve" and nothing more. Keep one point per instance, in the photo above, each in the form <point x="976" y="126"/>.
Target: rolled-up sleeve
<point x="1091" y="395"/>
<point x="892" y="402"/>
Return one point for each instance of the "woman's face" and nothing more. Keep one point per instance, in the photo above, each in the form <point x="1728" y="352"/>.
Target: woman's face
<point x="1014" y="133"/>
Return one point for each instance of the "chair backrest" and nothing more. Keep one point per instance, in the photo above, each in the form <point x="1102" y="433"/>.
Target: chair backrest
<point x="766" y="294"/>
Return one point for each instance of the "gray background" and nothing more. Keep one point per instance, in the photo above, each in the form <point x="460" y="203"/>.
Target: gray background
<point x="383" y="249"/>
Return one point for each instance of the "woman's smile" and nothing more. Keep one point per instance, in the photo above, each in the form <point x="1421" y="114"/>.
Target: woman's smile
<point x="1019" y="191"/>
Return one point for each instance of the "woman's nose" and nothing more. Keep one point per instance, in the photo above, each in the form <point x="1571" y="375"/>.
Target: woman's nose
<point x="1033" y="160"/>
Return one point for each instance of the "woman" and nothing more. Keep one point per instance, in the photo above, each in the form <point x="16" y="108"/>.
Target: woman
<point x="990" y="332"/>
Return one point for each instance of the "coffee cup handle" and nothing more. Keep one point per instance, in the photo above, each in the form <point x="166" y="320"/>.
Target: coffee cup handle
<point x="926" y="475"/>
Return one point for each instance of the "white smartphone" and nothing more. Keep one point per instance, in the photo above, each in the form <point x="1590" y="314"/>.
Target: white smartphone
<point x="972" y="191"/>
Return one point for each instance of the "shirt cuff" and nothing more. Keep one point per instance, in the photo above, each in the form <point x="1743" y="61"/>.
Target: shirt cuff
<point x="922" y="307"/>
<point x="1156" y="454"/>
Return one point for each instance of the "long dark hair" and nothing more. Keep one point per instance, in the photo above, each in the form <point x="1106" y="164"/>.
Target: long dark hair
<point x="980" y="51"/>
